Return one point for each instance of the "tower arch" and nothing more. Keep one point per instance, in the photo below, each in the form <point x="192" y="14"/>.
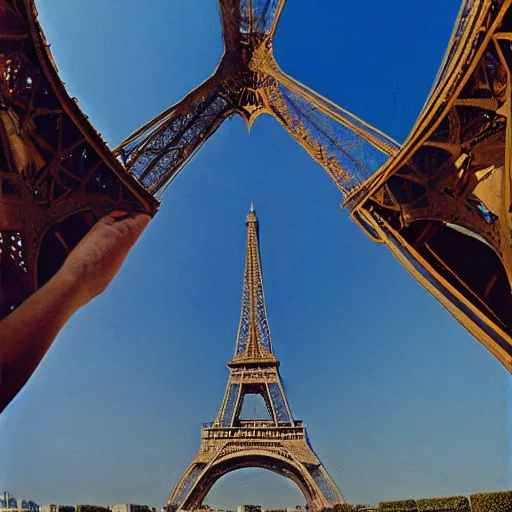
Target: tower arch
<point x="263" y="459"/>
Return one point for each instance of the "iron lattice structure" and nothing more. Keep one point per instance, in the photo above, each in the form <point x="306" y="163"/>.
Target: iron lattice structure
<point x="57" y="176"/>
<point x="229" y="443"/>
<point x="442" y="202"/>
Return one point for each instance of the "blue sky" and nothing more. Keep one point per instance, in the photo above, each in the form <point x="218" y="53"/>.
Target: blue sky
<point x="400" y="401"/>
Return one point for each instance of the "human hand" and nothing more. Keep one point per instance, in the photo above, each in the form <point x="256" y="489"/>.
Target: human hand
<point x="94" y="262"/>
<point x="28" y="332"/>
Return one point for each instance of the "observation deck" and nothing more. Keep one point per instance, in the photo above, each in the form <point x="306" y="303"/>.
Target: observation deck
<point x="249" y="429"/>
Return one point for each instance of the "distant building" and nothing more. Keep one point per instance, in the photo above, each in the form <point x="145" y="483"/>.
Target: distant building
<point x="56" y="508"/>
<point x="130" y="507"/>
<point x="29" y="505"/>
<point x="249" y="508"/>
<point x="9" y="503"/>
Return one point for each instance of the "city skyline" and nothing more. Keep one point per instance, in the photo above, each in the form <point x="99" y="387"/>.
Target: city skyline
<point x="177" y="316"/>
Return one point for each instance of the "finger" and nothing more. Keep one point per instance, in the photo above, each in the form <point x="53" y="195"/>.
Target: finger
<point x="137" y="222"/>
<point x="131" y="227"/>
<point x="118" y="214"/>
<point x="111" y="218"/>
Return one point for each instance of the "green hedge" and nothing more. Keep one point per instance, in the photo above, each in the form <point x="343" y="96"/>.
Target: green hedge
<point x="449" y="504"/>
<point x="492" y="502"/>
<point x="91" y="508"/>
<point x="343" y="507"/>
<point x="398" y="506"/>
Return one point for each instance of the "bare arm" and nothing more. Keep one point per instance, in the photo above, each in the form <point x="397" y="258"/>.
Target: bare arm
<point x="28" y="332"/>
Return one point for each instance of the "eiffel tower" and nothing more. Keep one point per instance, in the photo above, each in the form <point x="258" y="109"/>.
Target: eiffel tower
<point x="279" y="444"/>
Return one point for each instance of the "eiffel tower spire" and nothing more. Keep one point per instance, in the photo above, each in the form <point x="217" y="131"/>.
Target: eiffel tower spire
<point x="253" y="344"/>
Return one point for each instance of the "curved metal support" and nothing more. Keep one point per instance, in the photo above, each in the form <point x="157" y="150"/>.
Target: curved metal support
<point x="443" y="204"/>
<point x="346" y="147"/>
<point x="318" y="489"/>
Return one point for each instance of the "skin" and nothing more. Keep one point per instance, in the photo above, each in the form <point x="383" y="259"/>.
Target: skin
<point x="29" y="331"/>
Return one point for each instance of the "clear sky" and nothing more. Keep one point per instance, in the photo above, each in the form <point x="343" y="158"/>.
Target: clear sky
<point x="399" y="400"/>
